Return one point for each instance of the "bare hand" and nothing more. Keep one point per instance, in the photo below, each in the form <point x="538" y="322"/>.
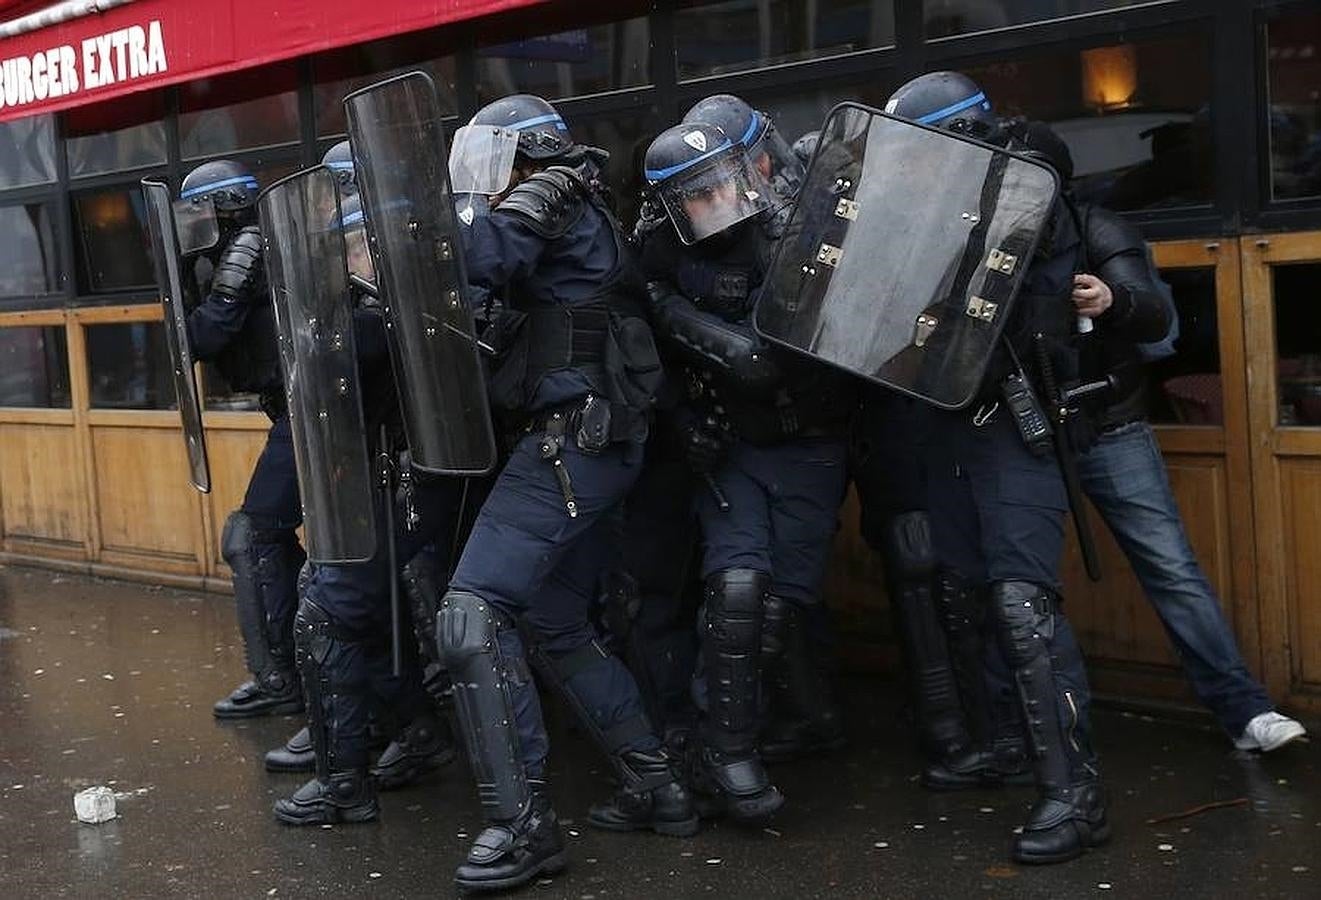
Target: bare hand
<point x="1091" y="295"/>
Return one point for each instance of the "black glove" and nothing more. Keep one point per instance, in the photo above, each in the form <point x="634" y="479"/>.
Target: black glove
<point x="705" y="444"/>
<point x="238" y="266"/>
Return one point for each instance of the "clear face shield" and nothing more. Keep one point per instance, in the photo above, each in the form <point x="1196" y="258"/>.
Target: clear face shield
<point x="482" y="159"/>
<point x="355" y="250"/>
<point x="777" y="161"/>
<point x="196" y="225"/>
<point x="714" y="195"/>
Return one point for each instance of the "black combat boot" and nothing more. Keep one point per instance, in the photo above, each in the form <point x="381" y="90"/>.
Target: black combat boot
<point x="733" y="786"/>
<point x="275" y="692"/>
<point x="296" y="755"/>
<point x="651" y="798"/>
<point x="1003" y="763"/>
<point x="341" y="797"/>
<point x="508" y="854"/>
<point x="805" y="719"/>
<point x="1069" y="815"/>
<point x="422" y="746"/>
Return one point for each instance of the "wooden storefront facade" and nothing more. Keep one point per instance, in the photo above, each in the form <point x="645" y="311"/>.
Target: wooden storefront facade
<point x="93" y="476"/>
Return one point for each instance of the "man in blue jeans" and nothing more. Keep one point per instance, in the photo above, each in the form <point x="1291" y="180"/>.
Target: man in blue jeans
<point x="1123" y="472"/>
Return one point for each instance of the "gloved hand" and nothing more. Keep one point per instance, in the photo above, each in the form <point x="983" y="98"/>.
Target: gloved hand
<point x="705" y="444"/>
<point x="238" y="266"/>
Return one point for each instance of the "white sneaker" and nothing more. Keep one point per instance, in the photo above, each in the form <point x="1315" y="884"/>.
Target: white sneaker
<point x="1269" y="731"/>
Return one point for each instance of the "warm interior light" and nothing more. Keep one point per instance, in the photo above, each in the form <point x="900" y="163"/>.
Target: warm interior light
<point x="1109" y="76"/>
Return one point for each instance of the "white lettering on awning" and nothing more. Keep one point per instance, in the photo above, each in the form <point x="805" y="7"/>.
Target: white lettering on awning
<point x="118" y="56"/>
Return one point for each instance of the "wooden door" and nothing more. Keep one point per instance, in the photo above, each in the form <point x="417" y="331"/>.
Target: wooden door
<point x="1282" y="305"/>
<point x="1200" y="399"/>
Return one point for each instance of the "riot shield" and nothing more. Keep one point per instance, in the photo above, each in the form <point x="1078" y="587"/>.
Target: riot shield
<point x="167" y="258"/>
<point x="904" y="252"/>
<point x="309" y="280"/>
<point x="399" y="144"/>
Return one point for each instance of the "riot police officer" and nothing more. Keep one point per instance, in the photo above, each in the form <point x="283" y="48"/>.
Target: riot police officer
<point x="764" y="431"/>
<point x="342" y="628"/>
<point x="997" y="510"/>
<point x="572" y="387"/>
<point x="339" y="159"/>
<point x="769" y="152"/>
<point x="233" y="330"/>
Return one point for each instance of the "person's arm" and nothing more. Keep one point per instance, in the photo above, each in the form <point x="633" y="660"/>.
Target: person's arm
<point x="1120" y="294"/>
<point x="219" y="318"/>
<point x="498" y="249"/>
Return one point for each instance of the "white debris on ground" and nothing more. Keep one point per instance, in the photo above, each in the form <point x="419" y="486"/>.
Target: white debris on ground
<point x="94" y="805"/>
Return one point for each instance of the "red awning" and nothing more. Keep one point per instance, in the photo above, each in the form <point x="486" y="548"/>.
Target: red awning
<point x="148" y="44"/>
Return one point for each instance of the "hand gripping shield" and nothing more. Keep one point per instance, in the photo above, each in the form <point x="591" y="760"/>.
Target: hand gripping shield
<point x="308" y="276"/>
<point x="904" y="253"/>
<point x="399" y="143"/>
<point x="167" y="250"/>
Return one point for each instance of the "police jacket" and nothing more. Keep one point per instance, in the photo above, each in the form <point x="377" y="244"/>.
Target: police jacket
<point x="233" y="328"/>
<point x="1113" y="250"/>
<point x="573" y="317"/>
<point x="702" y="297"/>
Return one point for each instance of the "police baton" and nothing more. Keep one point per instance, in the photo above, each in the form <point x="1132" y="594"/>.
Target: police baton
<point x="385" y="480"/>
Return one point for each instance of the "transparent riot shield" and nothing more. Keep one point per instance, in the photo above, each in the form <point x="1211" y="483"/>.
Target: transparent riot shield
<point x="399" y="144"/>
<point x="166" y="256"/>
<point x="308" y="276"/>
<point x="904" y="253"/>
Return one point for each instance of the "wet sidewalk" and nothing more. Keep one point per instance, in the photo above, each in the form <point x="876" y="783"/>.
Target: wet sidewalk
<point x="112" y="683"/>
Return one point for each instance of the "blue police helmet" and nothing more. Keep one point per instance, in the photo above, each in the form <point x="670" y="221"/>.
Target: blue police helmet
<point x="542" y="134"/>
<point x="948" y="100"/>
<point x="229" y="185"/>
<point x="732" y="115"/>
<point x="680" y="148"/>
<point x="339" y="159"/>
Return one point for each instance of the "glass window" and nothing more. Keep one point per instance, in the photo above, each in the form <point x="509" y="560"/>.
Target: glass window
<point x="27" y="151"/>
<point x="341" y="72"/>
<point x="627" y="137"/>
<point x="218" y="396"/>
<point x="797" y="112"/>
<point x="244" y="110"/>
<point x="34" y="367"/>
<point x="1298" y="342"/>
<point x="950" y="17"/>
<point x="113" y="247"/>
<point x="567" y="64"/>
<point x="736" y="35"/>
<point x="129" y="367"/>
<point x="1186" y="388"/>
<point x="1137" y="117"/>
<point x="115" y="135"/>
<point x="29" y="254"/>
<point x="1293" y="61"/>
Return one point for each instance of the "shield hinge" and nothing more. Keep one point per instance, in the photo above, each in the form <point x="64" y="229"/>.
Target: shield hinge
<point x="981" y="309"/>
<point x="1002" y="262"/>
<point x="829" y="255"/>
<point x="847" y="209"/>
<point x="926" y="323"/>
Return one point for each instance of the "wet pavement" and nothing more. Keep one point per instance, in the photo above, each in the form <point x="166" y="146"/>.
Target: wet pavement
<point x="111" y="683"/>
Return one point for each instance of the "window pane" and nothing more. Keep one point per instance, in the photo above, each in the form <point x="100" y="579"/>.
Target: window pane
<point x="120" y="134"/>
<point x="745" y="34"/>
<point x="27" y="151"/>
<point x="254" y="108"/>
<point x="34" y="367"/>
<point x="798" y="112"/>
<point x="567" y="64"/>
<point x="1137" y="117"/>
<point x="1298" y="342"/>
<point x="112" y="244"/>
<point x="1186" y="388"/>
<point x="626" y="137"/>
<point x="341" y="72"/>
<point x="218" y="396"/>
<point x="129" y="367"/>
<point x="1293" y="59"/>
<point x="949" y="17"/>
<point x="29" y="258"/>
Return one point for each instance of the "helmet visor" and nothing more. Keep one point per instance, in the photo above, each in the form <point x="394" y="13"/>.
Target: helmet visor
<point x="196" y="225"/>
<point x="786" y="169"/>
<point x="482" y="159"/>
<point x="714" y="195"/>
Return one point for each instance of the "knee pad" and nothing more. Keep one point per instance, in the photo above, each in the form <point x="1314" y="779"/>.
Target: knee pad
<point x="735" y="599"/>
<point x="237" y="538"/>
<point x="779" y="618"/>
<point x="908" y="548"/>
<point x="313" y="632"/>
<point x="1025" y="618"/>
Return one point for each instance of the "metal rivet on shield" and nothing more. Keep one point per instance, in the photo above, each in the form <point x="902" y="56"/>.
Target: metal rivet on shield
<point x="454" y="298"/>
<point x="343" y="385"/>
<point x="431" y="331"/>
<point x="323" y="415"/>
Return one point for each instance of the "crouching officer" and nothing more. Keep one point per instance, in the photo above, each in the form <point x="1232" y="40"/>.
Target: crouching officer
<point x="233" y="330"/>
<point x="765" y="433"/>
<point x="997" y="506"/>
<point x="572" y="386"/>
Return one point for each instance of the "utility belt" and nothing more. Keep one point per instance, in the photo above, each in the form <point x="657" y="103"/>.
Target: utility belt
<point x="586" y="424"/>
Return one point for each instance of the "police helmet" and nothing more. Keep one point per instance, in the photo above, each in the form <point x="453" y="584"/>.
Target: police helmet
<point x="227" y="184"/>
<point x="948" y="100"/>
<point x="339" y="159"/>
<point x="755" y="130"/>
<point x="703" y="180"/>
<point x="542" y="134"/>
